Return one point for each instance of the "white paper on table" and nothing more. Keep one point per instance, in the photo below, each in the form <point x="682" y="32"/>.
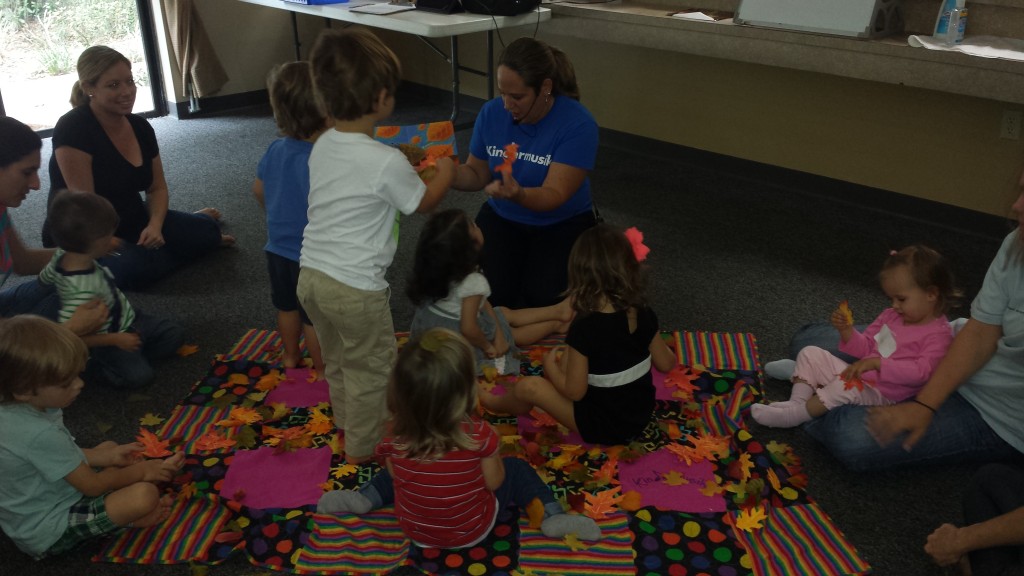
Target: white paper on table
<point x="383" y="8"/>
<point x="982" y="46"/>
<point x="699" y="16"/>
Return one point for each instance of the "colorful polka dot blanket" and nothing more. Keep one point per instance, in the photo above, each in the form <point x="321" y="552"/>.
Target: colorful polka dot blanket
<point x="696" y="494"/>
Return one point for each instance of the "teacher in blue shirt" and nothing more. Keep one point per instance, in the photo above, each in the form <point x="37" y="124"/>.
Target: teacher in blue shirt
<point x="537" y="209"/>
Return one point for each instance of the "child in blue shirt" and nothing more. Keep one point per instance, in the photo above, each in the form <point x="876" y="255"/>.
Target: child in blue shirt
<point x="55" y="495"/>
<point x="282" y="189"/>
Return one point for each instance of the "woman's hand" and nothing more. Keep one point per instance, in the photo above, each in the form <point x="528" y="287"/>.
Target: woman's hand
<point x="886" y="423"/>
<point x="151" y="237"/>
<point x="860" y="366"/>
<point x="944" y="545"/>
<point x="505" y="189"/>
<point x="87" y="318"/>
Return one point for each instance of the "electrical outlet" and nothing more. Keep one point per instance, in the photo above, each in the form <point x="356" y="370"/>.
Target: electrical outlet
<point x="1009" y="128"/>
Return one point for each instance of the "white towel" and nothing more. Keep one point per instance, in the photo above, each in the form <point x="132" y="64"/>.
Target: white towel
<point x="983" y="46"/>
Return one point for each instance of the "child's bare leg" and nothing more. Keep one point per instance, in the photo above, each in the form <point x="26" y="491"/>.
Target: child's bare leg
<point x="289" y="327"/>
<point x="562" y="312"/>
<point x="530" y="333"/>
<point x="815" y="408"/>
<point x="139" y="504"/>
<point x="541" y="393"/>
<point x="504" y="404"/>
<point x="313" y="347"/>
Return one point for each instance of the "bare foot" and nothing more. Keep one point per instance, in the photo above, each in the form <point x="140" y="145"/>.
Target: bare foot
<point x="357" y="460"/>
<point x="158" y="514"/>
<point x="211" y="212"/>
<point x="227" y="240"/>
<point x="290" y="362"/>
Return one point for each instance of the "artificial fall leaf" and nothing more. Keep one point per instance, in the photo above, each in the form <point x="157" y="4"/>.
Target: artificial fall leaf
<point x="751" y="519"/>
<point x="536" y="355"/>
<point x="745" y="465"/>
<point x="188" y="491"/>
<point x="246" y="438"/>
<point x="150" y="419"/>
<point x="631" y="501"/>
<point x="535" y="512"/>
<point x="672" y="430"/>
<point x="599" y="505"/>
<point x="559" y="462"/>
<point x="153" y="447"/>
<point x="236" y="380"/>
<point x="543" y="419"/>
<point x="511" y="153"/>
<point x="773" y="479"/>
<point x="710" y="447"/>
<point x="187" y="350"/>
<point x="269" y="381"/>
<point x="581" y="475"/>
<point x="313" y="376"/>
<point x="685" y="453"/>
<point x="576" y="501"/>
<point x="632" y="452"/>
<point x="711" y="488"/>
<point x="854" y="382"/>
<point x="681" y="378"/>
<point x="844" y="308"/>
<point x="292" y="433"/>
<point x="337" y="444"/>
<point x="213" y="441"/>
<point x="345" y="470"/>
<point x="573" y="543"/>
<point x="273" y="412"/>
<point x="239" y="416"/>
<point x="674" y="478"/>
<point x="608" y="472"/>
<point x="490" y="373"/>
<point x="319" y="423"/>
<point x="798" y="481"/>
<point x="326" y="486"/>
<point x="702" y="369"/>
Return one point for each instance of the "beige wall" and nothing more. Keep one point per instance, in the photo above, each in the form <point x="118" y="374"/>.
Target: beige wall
<point x="917" y="142"/>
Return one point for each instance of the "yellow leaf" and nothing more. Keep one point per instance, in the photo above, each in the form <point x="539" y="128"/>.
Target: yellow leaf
<point x="674" y="478"/>
<point x="150" y="419"/>
<point x="535" y="511"/>
<point x="773" y="479"/>
<point x="751" y="519"/>
<point x="711" y="488"/>
<point x="631" y="501"/>
<point x="745" y="465"/>
<point x="345" y="470"/>
<point x="240" y="379"/>
<point x="574" y="543"/>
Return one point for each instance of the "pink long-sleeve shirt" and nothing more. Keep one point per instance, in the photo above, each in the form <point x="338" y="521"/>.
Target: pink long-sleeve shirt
<point x="909" y="353"/>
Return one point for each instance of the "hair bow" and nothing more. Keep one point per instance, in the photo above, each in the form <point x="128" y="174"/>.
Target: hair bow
<point x="893" y="252"/>
<point x="636" y="239"/>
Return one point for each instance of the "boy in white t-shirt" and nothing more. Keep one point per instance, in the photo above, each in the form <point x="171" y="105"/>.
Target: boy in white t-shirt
<point x="357" y="187"/>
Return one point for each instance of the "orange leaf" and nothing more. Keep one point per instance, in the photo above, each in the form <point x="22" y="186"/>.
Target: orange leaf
<point x="187" y="350"/>
<point x="319" y="423"/>
<point x="631" y="501"/>
<point x="543" y="419"/>
<point x="511" y="153"/>
<point x="773" y="479"/>
<point x="599" y="505"/>
<point x="854" y="382"/>
<point x="154" y="447"/>
<point x="213" y="441"/>
<point x="745" y="465"/>
<point x="682" y="378"/>
<point x="238" y="416"/>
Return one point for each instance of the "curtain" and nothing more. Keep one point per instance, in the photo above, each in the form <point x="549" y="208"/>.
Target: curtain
<point x="193" y="51"/>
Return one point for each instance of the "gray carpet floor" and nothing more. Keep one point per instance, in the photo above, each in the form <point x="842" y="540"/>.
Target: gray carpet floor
<point x="729" y="252"/>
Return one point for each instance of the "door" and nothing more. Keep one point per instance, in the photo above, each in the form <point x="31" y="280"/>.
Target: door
<point x="40" y="41"/>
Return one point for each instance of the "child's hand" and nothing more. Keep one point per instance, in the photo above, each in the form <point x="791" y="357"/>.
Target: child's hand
<point x="174" y="462"/>
<point x="860" y="366"/>
<point x="125" y="454"/>
<point x="841" y="323"/>
<point x="552" y="360"/>
<point x="505" y="189"/>
<point x="128" y="341"/>
<point x="500" y="344"/>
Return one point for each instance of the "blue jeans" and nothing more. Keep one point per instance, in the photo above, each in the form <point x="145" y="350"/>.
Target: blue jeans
<point x="520" y="487"/>
<point x="30" y="298"/>
<point x="186" y="237"/>
<point x="957" y="434"/>
<point x="116" y="368"/>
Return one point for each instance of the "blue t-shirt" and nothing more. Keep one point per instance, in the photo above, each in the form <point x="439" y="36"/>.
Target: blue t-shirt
<point x="567" y="134"/>
<point x="284" y="170"/>
<point x="997" y="390"/>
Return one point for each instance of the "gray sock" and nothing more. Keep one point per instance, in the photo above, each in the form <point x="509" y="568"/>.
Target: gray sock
<point x="339" y="501"/>
<point x="560" y="525"/>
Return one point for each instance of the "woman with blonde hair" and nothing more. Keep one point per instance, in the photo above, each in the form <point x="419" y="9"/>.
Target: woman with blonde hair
<point x="101" y="147"/>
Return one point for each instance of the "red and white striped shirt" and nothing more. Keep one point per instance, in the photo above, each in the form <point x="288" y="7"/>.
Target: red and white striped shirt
<point x="445" y="503"/>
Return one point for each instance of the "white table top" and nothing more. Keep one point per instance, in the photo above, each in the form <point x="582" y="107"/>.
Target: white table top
<point x="418" y="22"/>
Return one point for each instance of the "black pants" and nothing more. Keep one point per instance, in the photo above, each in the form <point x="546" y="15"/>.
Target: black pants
<point x="527" y="266"/>
<point x="995" y="490"/>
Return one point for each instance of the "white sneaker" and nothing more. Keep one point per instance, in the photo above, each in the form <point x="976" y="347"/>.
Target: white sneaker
<point x="780" y="369"/>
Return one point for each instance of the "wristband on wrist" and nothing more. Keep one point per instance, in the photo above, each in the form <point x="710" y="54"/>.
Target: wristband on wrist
<point x="918" y="402"/>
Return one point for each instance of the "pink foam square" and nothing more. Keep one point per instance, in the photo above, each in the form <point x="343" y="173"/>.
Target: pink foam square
<point x="646" y="476"/>
<point x="296" y="391"/>
<point x="264" y="478"/>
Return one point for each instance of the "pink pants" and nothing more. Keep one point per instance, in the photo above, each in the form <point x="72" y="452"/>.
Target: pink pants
<point x="821" y="371"/>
